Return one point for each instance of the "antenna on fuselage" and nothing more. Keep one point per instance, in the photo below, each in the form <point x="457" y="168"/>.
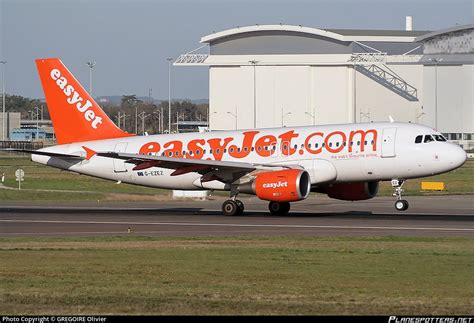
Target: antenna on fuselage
<point x="391" y="119"/>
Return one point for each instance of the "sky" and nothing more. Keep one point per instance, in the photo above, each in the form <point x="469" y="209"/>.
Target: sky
<point x="130" y="40"/>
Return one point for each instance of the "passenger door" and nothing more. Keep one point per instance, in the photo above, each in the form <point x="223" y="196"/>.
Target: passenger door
<point x="388" y="142"/>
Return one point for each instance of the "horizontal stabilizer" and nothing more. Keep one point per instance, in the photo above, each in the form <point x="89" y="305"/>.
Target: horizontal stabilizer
<point x="43" y="153"/>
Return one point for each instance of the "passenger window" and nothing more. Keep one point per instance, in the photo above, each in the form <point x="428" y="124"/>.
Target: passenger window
<point x="428" y="138"/>
<point x="418" y="139"/>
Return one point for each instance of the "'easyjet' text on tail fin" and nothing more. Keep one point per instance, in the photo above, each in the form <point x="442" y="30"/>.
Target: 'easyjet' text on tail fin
<point x="75" y="115"/>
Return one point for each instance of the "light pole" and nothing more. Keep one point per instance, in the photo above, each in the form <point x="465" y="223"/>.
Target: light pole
<point x="235" y="116"/>
<point x="169" y="59"/>
<point x="37" y="122"/>
<point x="91" y="65"/>
<point x="254" y="63"/>
<point x="142" y="115"/>
<point x="3" y="99"/>
<point x="283" y="117"/>
<point x="436" y="61"/>
<point x="136" y="119"/>
<point x="162" y="120"/>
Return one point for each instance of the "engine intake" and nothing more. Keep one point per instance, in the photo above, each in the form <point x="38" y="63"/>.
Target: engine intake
<point x="353" y="191"/>
<point x="279" y="186"/>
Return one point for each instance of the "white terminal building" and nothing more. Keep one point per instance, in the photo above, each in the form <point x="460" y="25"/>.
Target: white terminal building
<point x="283" y="75"/>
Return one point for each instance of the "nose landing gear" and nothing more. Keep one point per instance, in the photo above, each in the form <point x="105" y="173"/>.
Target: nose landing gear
<point x="400" y="204"/>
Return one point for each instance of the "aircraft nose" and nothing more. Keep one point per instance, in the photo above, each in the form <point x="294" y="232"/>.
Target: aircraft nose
<point x="457" y="157"/>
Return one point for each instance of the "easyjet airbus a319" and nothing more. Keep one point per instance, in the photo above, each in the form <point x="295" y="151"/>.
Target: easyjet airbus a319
<point x="279" y="165"/>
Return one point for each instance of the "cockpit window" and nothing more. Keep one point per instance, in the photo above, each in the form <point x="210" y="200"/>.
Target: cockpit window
<point x="428" y="138"/>
<point x="418" y="139"/>
<point x="439" y="138"/>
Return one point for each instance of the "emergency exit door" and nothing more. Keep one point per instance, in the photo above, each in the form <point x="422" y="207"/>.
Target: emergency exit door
<point x="119" y="164"/>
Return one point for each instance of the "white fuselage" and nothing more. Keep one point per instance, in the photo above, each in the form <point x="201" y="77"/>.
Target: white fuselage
<point x="330" y="153"/>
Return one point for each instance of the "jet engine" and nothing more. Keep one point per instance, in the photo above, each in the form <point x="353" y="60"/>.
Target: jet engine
<point x="353" y="191"/>
<point x="279" y="186"/>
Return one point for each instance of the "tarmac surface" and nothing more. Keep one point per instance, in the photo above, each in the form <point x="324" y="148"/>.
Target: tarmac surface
<point x="433" y="216"/>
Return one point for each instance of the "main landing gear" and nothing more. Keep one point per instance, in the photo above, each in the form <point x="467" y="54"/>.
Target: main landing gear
<point x="400" y="204"/>
<point x="233" y="207"/>
<point x="279" y="208"/>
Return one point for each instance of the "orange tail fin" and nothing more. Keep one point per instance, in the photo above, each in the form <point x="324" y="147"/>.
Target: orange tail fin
<point x="74" y="113"/>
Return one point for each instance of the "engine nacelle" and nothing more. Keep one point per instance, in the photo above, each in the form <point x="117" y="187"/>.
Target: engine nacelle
<point x="353" y="191"/>
<point x="279" y="186"/>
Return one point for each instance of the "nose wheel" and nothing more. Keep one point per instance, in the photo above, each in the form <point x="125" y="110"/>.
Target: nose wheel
<point x="400" y="204"/>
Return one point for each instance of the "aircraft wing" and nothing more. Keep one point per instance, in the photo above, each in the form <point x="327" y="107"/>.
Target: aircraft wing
<point x="225" y="171"/>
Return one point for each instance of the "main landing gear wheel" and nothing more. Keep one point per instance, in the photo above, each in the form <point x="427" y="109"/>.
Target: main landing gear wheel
<point x="401" y="205"/>
<point x="279" y="208"/>
<point x="231" y="207"/>
<point x="241" y="206"/>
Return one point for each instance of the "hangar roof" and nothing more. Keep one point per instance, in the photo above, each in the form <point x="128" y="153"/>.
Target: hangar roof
<point x="434" y="34"/>
<point x="336" y="34"/>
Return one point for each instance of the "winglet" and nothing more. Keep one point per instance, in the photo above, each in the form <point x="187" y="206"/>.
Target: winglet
<point x="89" y="152"/>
